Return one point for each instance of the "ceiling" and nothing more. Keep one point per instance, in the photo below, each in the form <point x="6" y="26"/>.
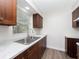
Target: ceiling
<point x="48" y="6"/>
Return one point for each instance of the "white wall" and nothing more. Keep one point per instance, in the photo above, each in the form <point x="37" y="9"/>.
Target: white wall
<point x="55" y="27"/>
<point x="58" y="25"/>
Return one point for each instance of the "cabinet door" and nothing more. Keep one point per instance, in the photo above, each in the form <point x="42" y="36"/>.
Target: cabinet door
<point x="71" y="47"/>
<point x="34" y="20"/>
<point x="8" y="12"/>
<point x="75" y="15"/>
<point x="34" y="52"/>
<point x="1" y="10"/>
<point x="32" y="56"/>
<point x="77" y="52"/>
<point x="20" y="56"/>
<point x="37" y="21"/>
<point x="42" y="46"/>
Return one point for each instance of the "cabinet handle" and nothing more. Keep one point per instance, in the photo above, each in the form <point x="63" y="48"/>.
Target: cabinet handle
<point x="22" y="57"/>
<point x="1" y="18"/>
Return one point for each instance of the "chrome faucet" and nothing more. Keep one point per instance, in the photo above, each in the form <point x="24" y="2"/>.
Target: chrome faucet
<point x="25" y="41"/>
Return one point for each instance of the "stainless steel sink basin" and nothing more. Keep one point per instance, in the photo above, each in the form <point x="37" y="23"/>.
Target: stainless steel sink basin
<point x="28" y="40"/>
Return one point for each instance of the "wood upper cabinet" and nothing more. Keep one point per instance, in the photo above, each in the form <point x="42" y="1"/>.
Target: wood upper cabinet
<point x="75" y="15"/>
<point x="7" y="12"/>
<point x="37" y="21"/>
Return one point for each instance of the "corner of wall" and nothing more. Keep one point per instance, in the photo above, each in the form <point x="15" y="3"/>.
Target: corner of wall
<point x="56" y="48"/>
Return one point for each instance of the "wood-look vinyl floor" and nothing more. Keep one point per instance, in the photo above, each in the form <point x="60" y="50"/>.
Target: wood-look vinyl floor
<point x="54" y="54"/>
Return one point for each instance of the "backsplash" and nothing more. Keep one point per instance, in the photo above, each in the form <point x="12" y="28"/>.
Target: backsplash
<point x="6" y="34"/>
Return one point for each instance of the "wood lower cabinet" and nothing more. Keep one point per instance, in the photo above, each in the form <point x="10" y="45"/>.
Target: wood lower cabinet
<point x="34" y="52"/>
<point x="71" y="47"/>
<point x="20" y="56"/>
<point x="78" y="52"/>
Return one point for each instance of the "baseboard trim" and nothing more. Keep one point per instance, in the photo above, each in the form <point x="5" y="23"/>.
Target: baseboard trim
<point x="56" y="48"/>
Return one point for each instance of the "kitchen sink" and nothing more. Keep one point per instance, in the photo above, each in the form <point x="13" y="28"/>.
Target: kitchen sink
<point x="28" y="40"/>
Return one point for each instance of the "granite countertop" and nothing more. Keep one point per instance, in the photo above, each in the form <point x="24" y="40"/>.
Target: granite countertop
<point x="72" y="36"/>
<point x="10" y="50"/>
